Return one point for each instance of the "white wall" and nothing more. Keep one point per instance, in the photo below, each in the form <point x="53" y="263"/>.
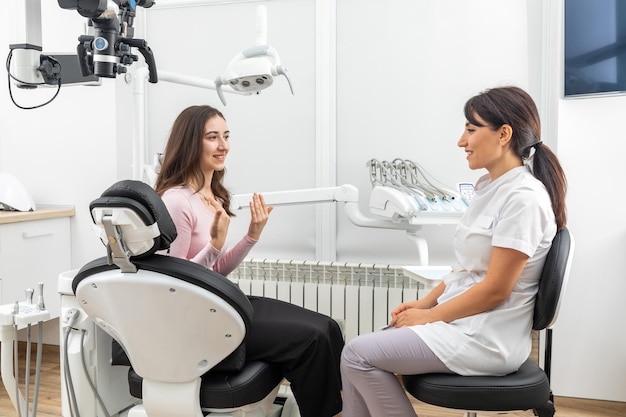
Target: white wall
<point x="404" y="69"/>
<point x="589" y="346"/>
<point x="397" y="95"/>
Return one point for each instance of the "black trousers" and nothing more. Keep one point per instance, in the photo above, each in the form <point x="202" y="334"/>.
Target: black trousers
<point x="307" y="345"/>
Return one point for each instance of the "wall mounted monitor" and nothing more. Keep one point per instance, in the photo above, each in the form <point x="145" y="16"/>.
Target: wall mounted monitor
<point x="594" y="47"/>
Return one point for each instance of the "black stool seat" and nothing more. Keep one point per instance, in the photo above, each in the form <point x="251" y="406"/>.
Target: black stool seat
<point x="528" y="388"/>
<point x="229" y="389"/>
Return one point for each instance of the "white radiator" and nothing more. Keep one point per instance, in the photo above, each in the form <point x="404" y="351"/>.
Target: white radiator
<point x="359" y="296"/>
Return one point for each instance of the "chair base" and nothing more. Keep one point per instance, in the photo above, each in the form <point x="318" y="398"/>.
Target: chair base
<point x="548" y="410"/>
<point x="283" y="405"/>
<point x="275" y="411"/>
<point x="228" y="390"/>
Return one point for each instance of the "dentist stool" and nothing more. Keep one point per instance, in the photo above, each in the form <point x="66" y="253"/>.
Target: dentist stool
<point x="529" y="387"/>
<point x="182" y="326"/>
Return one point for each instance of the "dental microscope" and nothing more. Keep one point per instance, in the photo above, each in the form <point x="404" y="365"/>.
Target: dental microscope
<point x="105" y="52"/>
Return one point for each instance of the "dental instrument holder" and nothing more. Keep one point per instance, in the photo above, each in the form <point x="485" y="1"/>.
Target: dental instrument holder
<point x="29" y="295"/>
<point x="349" y="195"/>
<point x="12" y="317"/>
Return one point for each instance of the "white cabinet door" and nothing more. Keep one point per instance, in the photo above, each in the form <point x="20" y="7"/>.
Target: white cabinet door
<point x="32" y="252"/>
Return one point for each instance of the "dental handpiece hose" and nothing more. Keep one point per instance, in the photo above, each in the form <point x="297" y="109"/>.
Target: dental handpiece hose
<point x="41" y="306"/>
<point x="29" y="300"/>
<point x="38" y="367"/>
<point x="16" y="369"/>
<point x="27" y="368"/>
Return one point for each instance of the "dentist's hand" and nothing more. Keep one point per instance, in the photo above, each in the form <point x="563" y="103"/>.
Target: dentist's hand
<point x="411" y="317"/>
<point x="259" y="214"/>
<point x="410" y="313"/>
<point x="403" y="307"/>
<point x="219" y="227"/>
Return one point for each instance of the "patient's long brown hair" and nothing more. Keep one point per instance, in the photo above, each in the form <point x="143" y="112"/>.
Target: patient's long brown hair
<point x="183" y="151"/>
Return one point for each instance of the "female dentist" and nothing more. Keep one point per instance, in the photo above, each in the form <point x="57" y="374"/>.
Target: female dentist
<point x="478" y="320"/>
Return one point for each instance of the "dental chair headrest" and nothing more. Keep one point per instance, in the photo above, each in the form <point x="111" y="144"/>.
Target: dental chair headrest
<point x="138" y="213"/>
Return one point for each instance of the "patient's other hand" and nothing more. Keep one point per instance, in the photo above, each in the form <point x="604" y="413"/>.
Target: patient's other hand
<point x="259" y="214"/>
<point x="219" y="227"/>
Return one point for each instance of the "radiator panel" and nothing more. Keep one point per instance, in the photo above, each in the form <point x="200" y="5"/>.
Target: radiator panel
<point x="359" y="296"/>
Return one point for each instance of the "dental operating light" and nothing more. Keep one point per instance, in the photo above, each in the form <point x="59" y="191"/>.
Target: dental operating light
<point x="254" y="68"/>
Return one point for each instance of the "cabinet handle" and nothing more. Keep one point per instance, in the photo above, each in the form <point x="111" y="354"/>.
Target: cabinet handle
<point x="34" y="235"/>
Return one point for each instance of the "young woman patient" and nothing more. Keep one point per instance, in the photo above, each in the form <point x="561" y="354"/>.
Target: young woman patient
<point x="306" y="344"/>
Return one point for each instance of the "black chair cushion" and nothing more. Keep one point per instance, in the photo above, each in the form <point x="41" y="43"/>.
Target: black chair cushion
<point x="526" y="389"/>
<point x="229" y="389"/>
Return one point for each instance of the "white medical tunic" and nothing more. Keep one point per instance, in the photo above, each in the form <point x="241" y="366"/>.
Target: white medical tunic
<point x="514" y="211"/>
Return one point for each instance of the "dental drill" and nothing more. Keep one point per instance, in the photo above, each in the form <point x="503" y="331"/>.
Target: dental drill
<point x="13" y="317"/>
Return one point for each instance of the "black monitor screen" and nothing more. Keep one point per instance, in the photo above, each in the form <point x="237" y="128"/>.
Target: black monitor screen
<point x="595" y="47"/>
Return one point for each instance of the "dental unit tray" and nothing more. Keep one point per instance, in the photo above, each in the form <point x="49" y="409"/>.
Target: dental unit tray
<point x="391" y="203"/>
<point x="429" y="276"/>
<point x="402" y="190"/>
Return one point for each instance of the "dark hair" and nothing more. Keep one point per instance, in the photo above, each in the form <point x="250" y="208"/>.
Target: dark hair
<point x="183" y="151"/>
<point x="514" y="107"/>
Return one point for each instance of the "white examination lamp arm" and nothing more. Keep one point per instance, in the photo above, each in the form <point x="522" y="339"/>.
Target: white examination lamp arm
<point x="346" y="193"/>
<point x="261" y="25"/>
<point x="218" y="88"/>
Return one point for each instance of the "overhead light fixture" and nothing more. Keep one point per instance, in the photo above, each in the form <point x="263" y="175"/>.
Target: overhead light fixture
<point x="254" y="68"/>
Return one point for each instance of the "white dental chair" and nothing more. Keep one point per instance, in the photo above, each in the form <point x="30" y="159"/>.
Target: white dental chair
<point x="182" y="326"/>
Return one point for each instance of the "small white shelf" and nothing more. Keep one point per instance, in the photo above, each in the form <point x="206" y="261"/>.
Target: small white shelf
<point x="430" y="276"/>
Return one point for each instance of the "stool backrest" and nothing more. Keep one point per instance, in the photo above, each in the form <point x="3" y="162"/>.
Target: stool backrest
<point x="553" y="281"/>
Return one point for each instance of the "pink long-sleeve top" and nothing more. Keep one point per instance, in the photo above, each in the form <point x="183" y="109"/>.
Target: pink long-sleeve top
<point x="193" y="220"/>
